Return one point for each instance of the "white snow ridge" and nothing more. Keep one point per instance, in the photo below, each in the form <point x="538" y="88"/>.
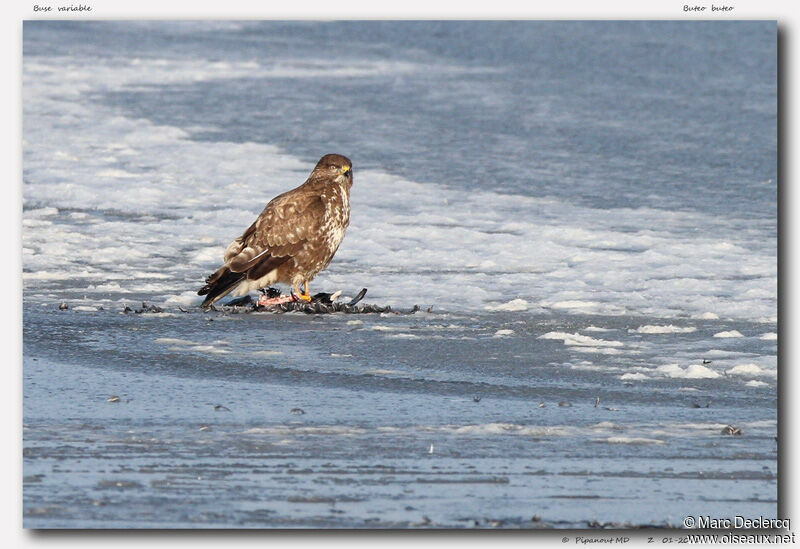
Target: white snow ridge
<point x="513" y="305"/>
<point x="668" y="329"/>
<point x="728" y="334"/>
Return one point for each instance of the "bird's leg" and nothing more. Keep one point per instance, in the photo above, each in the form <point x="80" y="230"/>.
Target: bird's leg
<point x="300" y="295"/>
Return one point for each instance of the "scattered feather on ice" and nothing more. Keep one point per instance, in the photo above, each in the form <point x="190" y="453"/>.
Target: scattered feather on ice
<point x="503" y="333"/>
<point x="731" y="333"/>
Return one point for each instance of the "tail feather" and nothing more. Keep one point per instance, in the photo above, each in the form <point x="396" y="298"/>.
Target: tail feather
<point x="219" y="285"/>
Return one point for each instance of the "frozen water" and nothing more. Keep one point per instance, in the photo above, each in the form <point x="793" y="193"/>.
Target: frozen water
<point x="127" y="177"/>
<point x="587" y="216"/>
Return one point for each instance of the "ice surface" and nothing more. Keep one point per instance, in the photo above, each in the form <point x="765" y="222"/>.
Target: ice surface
<point x="694" y="371"/>
<point x="750" y="370"/>
<point x="668" y="329"/>
<point x="728" y="334"/>
<point x="539" y="232"/>
<point x="638" y="376"/>
<point x="105" y="194"/>
<point x="633" y="440"/>
<point x="581" y="340"/>
<point x="513" y="305"/>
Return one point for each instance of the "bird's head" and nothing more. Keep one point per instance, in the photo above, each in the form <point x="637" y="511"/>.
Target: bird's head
<point x="335" y="167"/>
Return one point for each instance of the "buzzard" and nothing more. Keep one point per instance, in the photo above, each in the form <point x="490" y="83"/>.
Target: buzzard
<point x="293" y="239"/>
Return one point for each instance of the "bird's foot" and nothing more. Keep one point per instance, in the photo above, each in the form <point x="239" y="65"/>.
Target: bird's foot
<point x="301" y="297"/>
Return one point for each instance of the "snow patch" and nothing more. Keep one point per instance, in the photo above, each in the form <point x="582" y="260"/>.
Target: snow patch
<point x="513" y="305"/>
<point x="597" y="329"/>
<point x="174" y="341"/>
<point x="706" y="316"/>
<point x="637" y="376"/>
<point x="580" y="340"/>
<point x="668" y="329"/>
<point x="730" y="333"/>
<point x="695" y="371"/>
<point x="750" y="369"/>
<point x="755" y="383"/>
<point x="633" y="440"/>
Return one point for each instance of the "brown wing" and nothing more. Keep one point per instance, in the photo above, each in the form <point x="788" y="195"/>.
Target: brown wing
<point x="279" y="233"/>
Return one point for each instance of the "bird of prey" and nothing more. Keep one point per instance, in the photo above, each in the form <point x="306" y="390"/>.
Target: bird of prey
<point x="293" y="239"/>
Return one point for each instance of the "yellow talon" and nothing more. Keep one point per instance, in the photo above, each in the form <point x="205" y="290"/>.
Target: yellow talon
<point x="303" y="296"/>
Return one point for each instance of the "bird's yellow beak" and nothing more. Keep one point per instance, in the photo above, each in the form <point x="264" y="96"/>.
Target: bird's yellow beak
<point x="346" y="170"/>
